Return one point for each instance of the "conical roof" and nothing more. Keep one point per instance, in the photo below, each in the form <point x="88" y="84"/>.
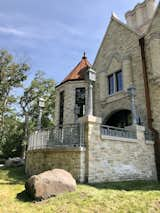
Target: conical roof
<point x="78" y="73"/>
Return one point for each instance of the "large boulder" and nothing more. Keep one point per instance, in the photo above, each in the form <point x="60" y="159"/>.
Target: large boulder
<point x="50" y="183"/>
<point x="14" y="162"/>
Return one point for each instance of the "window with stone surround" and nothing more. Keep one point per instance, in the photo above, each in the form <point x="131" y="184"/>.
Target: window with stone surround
<point x="115" y="82"/>
<point x="111" y="84"/>
<point x="80" y="102"/>
<point x="119" y="81"/>
<point x="61" y="108"/>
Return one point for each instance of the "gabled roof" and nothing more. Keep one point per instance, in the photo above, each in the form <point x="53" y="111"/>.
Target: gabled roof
<point x="78" y="73"/>
<point x="126" y="26"/>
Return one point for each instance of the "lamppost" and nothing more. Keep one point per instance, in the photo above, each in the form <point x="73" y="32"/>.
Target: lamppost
<point x="91" y="77"/>
<point x="41" y="106"/>
<point x="132" y="93"/>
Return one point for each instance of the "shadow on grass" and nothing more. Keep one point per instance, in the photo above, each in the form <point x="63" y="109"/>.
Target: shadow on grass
<point x="14" y="175"/>
<point x="129" y="185"/>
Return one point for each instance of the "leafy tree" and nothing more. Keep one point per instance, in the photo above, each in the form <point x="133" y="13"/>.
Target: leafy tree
<point x="12" y="75"/>
<point x="14" y="137"/>
<point x="40" y="87"/>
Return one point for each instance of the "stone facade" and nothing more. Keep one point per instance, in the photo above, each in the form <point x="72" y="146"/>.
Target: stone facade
<point x="69" y="89"/>
<point x="118" y="159"/>
<point x="152" y="40"/>
<point x="139" y="18"/>
<point x="70" y="159"/>
<point x="104" y="158"/>
<point x="119" y="50"/>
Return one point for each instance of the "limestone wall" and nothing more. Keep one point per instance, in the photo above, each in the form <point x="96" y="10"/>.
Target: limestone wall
<point x="69" y="100"/>
<point x="70" y="159"/>
<point x="141" y="14"/>
<point x="119" y="50"/>
<point x="104" y="158"/>
<point x="118" y="159"/>
<point x="152" y="49"/>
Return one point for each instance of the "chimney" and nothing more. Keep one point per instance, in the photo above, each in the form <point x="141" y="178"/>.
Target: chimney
<point x="139" y="18"/>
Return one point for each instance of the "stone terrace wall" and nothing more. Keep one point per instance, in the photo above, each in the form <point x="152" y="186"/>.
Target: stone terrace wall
<point x="118" y="159"/>
<point x="70" y="159"/>
<point x="105" y="158"/>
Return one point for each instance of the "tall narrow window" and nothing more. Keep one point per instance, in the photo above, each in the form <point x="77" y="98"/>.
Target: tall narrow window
<point x="61" y="109"/>
<point x="80" y="102"/>
<point x="111" y="84"/>
<point x="119" y="81"/>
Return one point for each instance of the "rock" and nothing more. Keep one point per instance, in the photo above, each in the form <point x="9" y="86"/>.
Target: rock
<point x="14" y="162"/>
<point x="50" y="183"/>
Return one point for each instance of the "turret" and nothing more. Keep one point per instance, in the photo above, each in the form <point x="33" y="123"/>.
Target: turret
<point x="139" y="18"/>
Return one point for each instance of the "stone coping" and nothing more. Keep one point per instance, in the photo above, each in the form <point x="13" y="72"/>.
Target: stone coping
<point x="149" y="142"/>
<point x="90" y="119"/>
<point x="129" y="140"/>
<point x="62" y="149"/>
<point x="119" y="139"/>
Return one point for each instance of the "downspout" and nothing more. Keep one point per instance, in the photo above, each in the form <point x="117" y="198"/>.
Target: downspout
<point x="148" y="107"/>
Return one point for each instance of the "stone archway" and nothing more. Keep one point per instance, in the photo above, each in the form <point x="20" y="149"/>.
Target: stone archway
<point x="120" y="118"/>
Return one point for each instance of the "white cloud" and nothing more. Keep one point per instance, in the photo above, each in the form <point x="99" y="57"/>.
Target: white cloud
<point x="13" y="31"/>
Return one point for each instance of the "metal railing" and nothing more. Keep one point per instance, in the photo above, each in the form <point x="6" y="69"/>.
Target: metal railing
<point x="118" y="132"/>
<point x="68" y="136"/>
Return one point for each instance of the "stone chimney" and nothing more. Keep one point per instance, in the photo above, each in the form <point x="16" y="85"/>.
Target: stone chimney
<point x="139" y="18"/>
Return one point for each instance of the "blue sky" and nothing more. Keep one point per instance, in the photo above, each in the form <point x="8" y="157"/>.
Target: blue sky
<point x="52" y="35"/>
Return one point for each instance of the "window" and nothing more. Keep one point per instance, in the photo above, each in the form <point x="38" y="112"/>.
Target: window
<point x="80" y="102"/>
<point x="119" y="81"/>
<point x="115" y="82"/>
<point x="61" y="110"/>
<point x="111" y="84"/>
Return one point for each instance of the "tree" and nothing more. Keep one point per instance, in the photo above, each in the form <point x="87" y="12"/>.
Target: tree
<point x="14" y="137"/>
<point x="40" y="87"/>
<point x="12" y="75"/>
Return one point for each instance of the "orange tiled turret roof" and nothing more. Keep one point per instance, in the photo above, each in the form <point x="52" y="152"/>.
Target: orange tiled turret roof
<point x="78" y="73"/>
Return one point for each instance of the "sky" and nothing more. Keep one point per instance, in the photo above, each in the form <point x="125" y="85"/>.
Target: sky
<point x="52" y="35"/>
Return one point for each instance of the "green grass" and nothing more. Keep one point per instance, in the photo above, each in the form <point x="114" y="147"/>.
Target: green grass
<point x="133" y="196"/>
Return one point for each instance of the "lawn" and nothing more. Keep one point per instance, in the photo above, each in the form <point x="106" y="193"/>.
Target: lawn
<point x="133" y="196"/>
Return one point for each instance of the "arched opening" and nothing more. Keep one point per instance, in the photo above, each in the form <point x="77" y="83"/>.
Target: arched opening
<point x="121" y="118"/>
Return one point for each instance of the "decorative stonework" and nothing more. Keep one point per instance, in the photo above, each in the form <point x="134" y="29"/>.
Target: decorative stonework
<point x="139" y="18"/>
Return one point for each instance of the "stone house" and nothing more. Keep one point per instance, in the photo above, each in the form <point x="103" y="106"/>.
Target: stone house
<point x="107" y="129"/>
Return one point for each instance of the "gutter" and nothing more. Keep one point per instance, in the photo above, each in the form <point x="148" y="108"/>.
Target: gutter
<point x="148" y="107"/>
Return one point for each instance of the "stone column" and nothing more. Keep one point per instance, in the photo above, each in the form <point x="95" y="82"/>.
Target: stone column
<point x="127" y="72"/>
<point x="140" y="133"/>
<point x="132" y="94"/>
<point x="91" y="135"/>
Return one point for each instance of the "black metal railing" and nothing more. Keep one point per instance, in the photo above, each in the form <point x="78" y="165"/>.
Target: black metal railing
<point x="118" y="132"/>
<point x="68" y="136"/>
